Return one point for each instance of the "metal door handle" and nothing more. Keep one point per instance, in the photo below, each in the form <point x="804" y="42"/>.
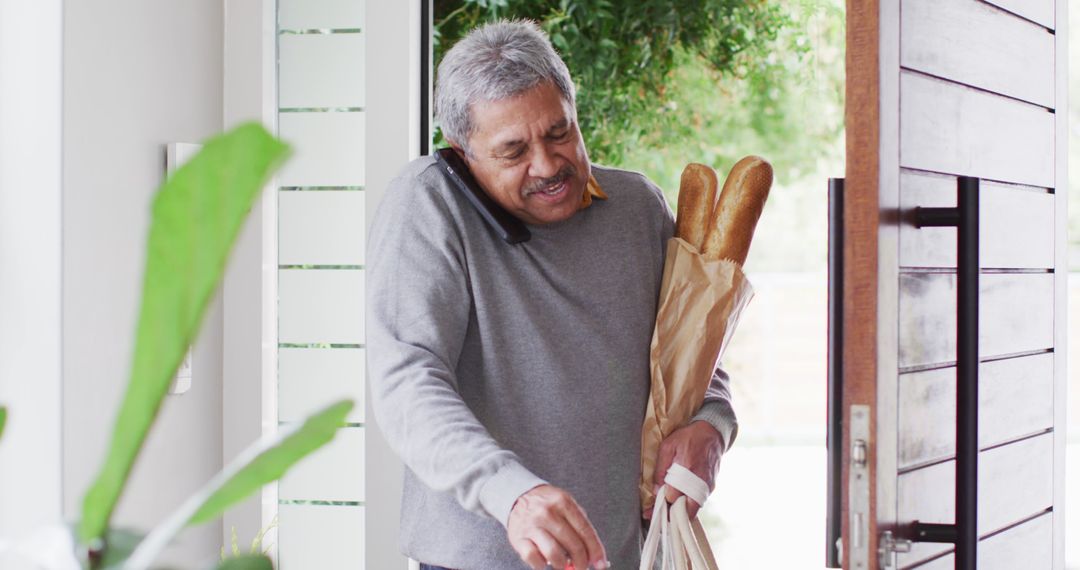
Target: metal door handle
<point x="964" y="532"/>
<point x="834" y="430"/>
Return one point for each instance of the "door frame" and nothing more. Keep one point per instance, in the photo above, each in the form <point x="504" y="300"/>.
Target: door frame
<point x="871" y="186"/>
<point x="394" y="117"/>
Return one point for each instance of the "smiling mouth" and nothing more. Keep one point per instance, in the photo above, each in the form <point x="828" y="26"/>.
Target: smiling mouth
<point x="554" y="188"/>
<point x="552" y="193"/>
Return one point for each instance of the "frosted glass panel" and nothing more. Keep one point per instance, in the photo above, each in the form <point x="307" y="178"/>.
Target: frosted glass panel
<point x="321" y="306"/>
<point x="319" y="70"/>
<point x="305" y="14"/>
<point x="328" y="149"/>
<point x="311" y="378"/>
<point x="321" y="536"/>
<point x="321" y="228"/>
<point x="333" y="473"/>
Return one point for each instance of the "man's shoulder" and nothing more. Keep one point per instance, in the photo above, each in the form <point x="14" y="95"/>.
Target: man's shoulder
<point x="418" y="168"/>
<point x="418" y="199"/>
<point x="419" y="187"/>
<point x="420" y="175"/>
<point x="621" y="177"/>
<point x="628" y="186"/>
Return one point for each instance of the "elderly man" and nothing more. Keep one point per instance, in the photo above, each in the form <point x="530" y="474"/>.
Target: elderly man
<point x="512" y="379"/>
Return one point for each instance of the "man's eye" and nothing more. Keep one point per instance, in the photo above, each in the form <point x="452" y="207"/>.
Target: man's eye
<point x="561" y="136"/>
<point x="513" y="155"/>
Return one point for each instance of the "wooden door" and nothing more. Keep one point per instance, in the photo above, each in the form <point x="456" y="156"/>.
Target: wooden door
<point x="938" y="89"/>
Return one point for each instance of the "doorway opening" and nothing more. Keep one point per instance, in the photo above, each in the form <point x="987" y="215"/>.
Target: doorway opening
<point x="762" y="79"/>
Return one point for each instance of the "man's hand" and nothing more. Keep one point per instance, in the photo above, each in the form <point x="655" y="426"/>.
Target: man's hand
<point x="547" y="526"/>
<point x="698" y="447"/>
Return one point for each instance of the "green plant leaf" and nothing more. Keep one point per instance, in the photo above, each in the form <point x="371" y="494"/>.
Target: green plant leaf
<point x="247" y="562"/>
<point x="274" y="457"/>
<point x="197" y="215"/>
<point x="3" y="419"/>
<point x="263" y="462"/>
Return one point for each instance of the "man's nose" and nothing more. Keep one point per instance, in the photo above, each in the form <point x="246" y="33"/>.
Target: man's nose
<point x="545" y="163"/>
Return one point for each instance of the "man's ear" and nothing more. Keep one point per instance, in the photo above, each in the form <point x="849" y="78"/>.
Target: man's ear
<point x="460" y="151"/>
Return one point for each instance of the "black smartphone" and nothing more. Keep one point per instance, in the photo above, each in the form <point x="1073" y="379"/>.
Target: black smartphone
<point x="509" y="228"/>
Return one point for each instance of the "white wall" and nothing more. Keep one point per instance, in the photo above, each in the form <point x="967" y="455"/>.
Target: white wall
<point x="30" y="239"/>
<point x="137" y="74"/>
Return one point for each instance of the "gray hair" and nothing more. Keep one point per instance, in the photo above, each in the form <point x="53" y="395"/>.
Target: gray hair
<point x="493" y="62"/>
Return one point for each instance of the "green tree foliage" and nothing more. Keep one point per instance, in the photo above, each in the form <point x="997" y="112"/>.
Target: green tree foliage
<point x="665" y="82"/>
<point x="704" y="79"/>
<point x="788" y="108"/>
<point x="622" y="54"/>
<point x="786" y="105"/>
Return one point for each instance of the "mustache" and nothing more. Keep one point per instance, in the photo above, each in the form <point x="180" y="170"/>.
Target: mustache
<point x="564" y="174"/>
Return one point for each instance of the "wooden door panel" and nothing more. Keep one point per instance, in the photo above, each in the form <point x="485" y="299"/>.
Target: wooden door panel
<point x="1026" y="546"/>
<point x="950" y="128"/>
<point x="961" y="40"/>
<point x="1016" y="315"/>
<point x="1016" y="399"/>
<point x="938" y="89"/>
<point x="1039" y="11"/>
<point x="1016" y="224"/>
<point x="1016" y="482"/>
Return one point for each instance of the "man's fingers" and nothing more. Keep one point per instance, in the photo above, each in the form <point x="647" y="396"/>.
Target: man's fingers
<point x="552" y="551"/>
<point x="692" y="508"/>
<point x="530" y="554"/>
<point x="555" y="527"/>
<point x="664" y="457"/>
<point x="571" y="541"/>
<point x="697" y="447"/>
<point x="592" y="549"/>
<point x="672" y="493"/>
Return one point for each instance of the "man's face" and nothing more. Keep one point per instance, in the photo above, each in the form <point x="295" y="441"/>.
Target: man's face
<point x="527" y="154"/>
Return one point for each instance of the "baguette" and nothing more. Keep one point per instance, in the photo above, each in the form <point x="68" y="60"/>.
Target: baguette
<point x="697" y="193"/>
<point x="731" y="227"/>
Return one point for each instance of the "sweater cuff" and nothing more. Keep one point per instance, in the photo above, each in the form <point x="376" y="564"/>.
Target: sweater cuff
<point x="718" y="414"/>
<point x="502" y="490"/>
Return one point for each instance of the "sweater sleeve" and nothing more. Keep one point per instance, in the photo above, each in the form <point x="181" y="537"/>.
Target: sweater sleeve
<point x="418" y="311"/>
<point x="717" y="409"/>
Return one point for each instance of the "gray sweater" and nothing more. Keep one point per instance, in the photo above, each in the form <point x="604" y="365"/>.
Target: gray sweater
<point x="494" y="368"/>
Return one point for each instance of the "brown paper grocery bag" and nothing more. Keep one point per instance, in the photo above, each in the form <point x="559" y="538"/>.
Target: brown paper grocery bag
<point x="700" y="304"/>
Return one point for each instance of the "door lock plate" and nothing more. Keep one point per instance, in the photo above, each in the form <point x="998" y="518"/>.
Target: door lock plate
<point x="859" y="489"/>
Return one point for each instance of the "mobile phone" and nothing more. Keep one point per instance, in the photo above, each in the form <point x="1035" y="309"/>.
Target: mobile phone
<point x="509" y="228"/>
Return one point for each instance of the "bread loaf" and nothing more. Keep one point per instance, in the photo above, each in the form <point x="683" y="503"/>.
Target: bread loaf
<point x="732" y="223"/>
<point x="697" y="193"/>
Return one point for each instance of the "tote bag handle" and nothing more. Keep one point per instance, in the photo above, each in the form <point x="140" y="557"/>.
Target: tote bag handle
<point x="685" y="546"/>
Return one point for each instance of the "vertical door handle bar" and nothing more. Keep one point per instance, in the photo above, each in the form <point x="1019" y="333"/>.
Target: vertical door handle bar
<point x="964" y="533"/>
<point x="834" y="430"/>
